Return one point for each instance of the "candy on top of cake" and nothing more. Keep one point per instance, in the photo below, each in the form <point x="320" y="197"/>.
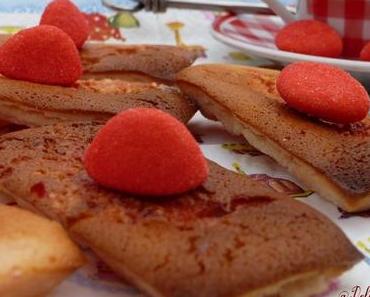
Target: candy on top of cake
<point x="323" y="91"/>
<point x="66" y="16"/>
<point x="42" y="54"/>
<point x="147" y="152"/>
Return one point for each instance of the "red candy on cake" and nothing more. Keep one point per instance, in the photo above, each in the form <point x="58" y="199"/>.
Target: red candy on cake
<point x="147" y="152"/>
<point x="310" y="37"/>
<point x="66" y="16"/>
<point x="42" y="54"/>
<point x="365" y="52"/>
<point x="323" y="91"/>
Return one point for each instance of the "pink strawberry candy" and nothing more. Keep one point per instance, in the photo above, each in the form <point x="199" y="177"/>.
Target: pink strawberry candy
<point x="66" y="16"/>
<point x="310" y="37"/>
<point x="42" y="54"/>
<point x="365" y="52"/>
<point x="323" y="91"/>
<point x="146" y="152"/>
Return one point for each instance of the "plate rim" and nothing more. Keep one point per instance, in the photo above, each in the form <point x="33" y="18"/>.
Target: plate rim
<point x="284" y="56"/>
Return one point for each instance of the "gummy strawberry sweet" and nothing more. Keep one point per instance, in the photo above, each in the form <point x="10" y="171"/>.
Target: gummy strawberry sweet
<point x="365" y="52"/>
<point x="323" y="91"/>
<point x="310" y="37"/>
<point x="66" y="16"/>
<point x="42" y="54"/>
<point x="146" y="152"/>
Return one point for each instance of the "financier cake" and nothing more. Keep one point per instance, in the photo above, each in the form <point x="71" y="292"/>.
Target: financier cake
<point x="231" y="236"/>
<point x="332" y="160"/>
<point x="32" y="104"/>
<point x="36" y="254"/>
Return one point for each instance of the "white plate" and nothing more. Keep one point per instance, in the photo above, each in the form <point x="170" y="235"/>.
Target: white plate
<point x="255" y="35"/>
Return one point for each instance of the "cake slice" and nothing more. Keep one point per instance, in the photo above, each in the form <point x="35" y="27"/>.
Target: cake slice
<point x="145" y="63"/>
<point x="232" y="236"/>
<point x="333" y="161"/>
<point x="33" y="104"/>
<point x="35" y="254"/>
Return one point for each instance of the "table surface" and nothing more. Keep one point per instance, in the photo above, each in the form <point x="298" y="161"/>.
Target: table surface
<point x="231" y="152"/>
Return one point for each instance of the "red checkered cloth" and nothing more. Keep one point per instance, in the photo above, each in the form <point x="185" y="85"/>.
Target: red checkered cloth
<point x="351" y="18"/>
<point x="258" y="30"/>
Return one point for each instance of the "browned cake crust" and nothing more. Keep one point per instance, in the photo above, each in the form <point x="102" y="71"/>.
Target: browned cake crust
<point x="246" y="101"/>
<point x="158" y="61"/>
<point x="6" y="127"/>
<point x="34" y="104"/>
<point x="230" y="237"/>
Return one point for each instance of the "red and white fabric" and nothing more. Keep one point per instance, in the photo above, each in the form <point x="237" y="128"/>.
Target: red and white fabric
<point x="258" y="30"/>
<point x="351" y="18"/>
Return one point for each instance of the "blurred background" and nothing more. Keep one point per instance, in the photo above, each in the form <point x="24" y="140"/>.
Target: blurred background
<point x="175" y="27"/>
<point x="86" y="5"/>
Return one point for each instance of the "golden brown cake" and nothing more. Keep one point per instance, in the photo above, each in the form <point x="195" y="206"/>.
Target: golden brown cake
<point x="35" y="254"/>
<point x="333" y="161"/>
<point x="33" y="104"/>
<point x="135" y="62"/>
<point x="232" y="236"/>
